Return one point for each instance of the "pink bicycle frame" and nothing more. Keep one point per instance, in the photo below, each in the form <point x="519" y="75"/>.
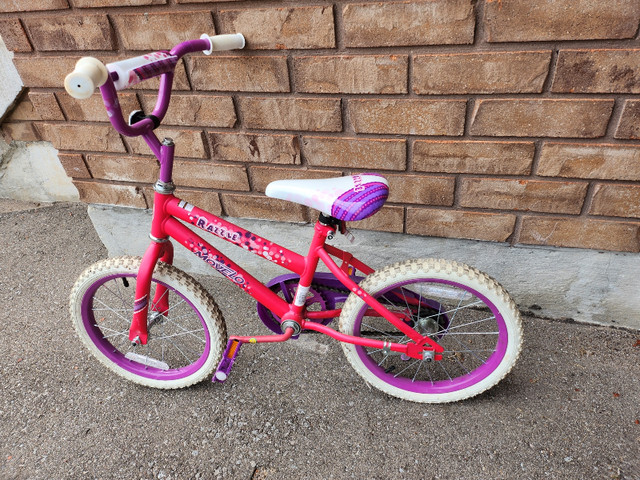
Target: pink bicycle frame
<point x="168" y="211"/>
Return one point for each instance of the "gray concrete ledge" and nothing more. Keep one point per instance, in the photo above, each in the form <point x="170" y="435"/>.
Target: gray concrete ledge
<point x="561" y="283"/>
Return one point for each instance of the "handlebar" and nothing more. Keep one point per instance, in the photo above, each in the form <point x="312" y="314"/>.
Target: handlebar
<point x="90" y="73"/>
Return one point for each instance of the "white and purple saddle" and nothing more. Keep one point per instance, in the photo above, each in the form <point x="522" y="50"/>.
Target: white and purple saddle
<point x="350" y="198"/>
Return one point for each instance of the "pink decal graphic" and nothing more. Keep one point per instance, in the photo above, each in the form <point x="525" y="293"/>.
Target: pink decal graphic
<point x="217" y="262"/>
<point x="217" y="230"/>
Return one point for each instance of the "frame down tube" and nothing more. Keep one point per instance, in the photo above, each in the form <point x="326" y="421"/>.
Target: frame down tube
<point x="237" y="236"/>
<point x="229" y="269"/>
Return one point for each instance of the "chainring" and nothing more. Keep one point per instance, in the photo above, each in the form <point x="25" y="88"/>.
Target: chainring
<point x="317" y="299"/>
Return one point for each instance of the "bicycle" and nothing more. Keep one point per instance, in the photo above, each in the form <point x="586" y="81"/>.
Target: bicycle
<point x="424" y="330"/>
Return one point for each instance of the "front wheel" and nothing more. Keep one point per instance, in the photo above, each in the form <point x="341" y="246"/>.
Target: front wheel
<point x="464" y="310"/>
<point x="186" y="331"/>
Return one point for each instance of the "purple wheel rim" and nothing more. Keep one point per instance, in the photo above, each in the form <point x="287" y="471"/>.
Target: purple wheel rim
<point x="440" y="386"/>
<point x="114" y="355"/>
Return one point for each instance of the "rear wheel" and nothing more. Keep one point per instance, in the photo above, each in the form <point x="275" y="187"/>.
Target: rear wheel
<point x="186" y="335"/>
<point x="462" y="309"/>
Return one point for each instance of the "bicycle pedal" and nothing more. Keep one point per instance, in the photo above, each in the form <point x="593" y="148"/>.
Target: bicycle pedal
<point x="229" y="356"/>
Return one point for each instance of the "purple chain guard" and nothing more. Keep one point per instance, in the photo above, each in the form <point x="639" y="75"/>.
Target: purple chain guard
<point x="325" y="284"/>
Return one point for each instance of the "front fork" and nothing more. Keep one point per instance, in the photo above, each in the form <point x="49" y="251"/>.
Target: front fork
<point x="160" y="249"/>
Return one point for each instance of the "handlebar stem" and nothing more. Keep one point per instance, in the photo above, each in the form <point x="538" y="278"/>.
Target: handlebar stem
<point x="114" y="111"/>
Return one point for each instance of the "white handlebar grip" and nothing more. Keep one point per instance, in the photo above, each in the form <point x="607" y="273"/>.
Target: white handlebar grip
<point x="88" y="74"/>
<point x="228" y="41"/>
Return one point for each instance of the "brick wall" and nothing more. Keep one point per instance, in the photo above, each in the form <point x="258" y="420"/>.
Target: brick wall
<point x="501" y="120"/>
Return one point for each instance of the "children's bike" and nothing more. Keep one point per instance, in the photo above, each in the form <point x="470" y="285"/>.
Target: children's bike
<point x="423" y="330"/>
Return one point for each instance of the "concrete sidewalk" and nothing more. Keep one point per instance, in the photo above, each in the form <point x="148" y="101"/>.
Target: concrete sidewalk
<point x="568" y="410"/>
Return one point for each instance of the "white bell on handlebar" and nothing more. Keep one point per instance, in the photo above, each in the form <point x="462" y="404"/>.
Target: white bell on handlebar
<point x="88" y="74"/>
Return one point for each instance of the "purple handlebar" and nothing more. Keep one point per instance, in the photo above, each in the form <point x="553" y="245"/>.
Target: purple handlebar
<point x="110" y="95"/>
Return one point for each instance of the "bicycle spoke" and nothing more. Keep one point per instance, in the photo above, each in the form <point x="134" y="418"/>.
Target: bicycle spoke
<point x="445" y="370"/>
<point x="168" y="320"/>
<point x="384" y="357"/>
<point x="455" y="357"/>
<point x="182" y="334"/>
<point x="385" y="334"/>
<point x="180" y="350"/>
<point x="122" y="317"/>
<point x="459" y="342"/>
<point x="115" y="333"/>
<point x="118" y="295"/>
<point x="417" y="370"/>
<point x="473" y="333"/>
<point x="407" y="367"/>
<point x="471" y="323"/>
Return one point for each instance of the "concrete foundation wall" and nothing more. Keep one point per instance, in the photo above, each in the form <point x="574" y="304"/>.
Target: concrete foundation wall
<point x="583" y="285"/>
<point x="32" y="172"/>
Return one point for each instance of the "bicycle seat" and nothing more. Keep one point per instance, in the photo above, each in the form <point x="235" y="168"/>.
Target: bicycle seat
<point x="350" y="198"/>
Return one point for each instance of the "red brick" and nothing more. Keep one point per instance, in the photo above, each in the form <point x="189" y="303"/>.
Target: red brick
<point x="616" y="200"/>
<point x="123" y="168"/>
<point x="115" y="3"/>
<point x="92" y="109"/>
<point x="351" y="74"/>
<point x="388" y="219"/>
<point x="574" y="160"/>
<point x="23" y="110"/>
<point x="196" y="110"/>
<point x="19" y="131"/>
<point x="70" y="32"/>
<point x="206" y="1"/>
<point x="490" y="158"/>
<point x="493" y="72"/>
<point x="409" y="117"/>
<point x="383" y="24"/>
<point x="355" y="153"/>
<point x="207" y="200"/>
<point x="210" y="175"/>
<point x="161" y="31"/>
<point x="580" y="233"/>
<point x="31" y="70"/>
<point x="201" y="175"/>
<point x="460" y="224"/>
<point x="541" y="118"/>
<point x="46" y="105"/>
<point x="542" y="20"/>
<point x="421" y="189"/>
<point x="66" y="136"/>
<point x="240" y="74"/>
<point x="262" y="176"/>
<point x="251" y="206"/>
<point x="524" y="195"/>
<point x="597" y="71"/>
<point x="281" y="28"/>
<point x="31" y="5"/>
<point x="312" y="114"/>
<point x="189" y="143"/>
<point x="14" y="36"/>
<point x="110" y="194"/>
<point x="629" y="126"/>
<point x="254" y="148"/>
<point x="74" y="165"/>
